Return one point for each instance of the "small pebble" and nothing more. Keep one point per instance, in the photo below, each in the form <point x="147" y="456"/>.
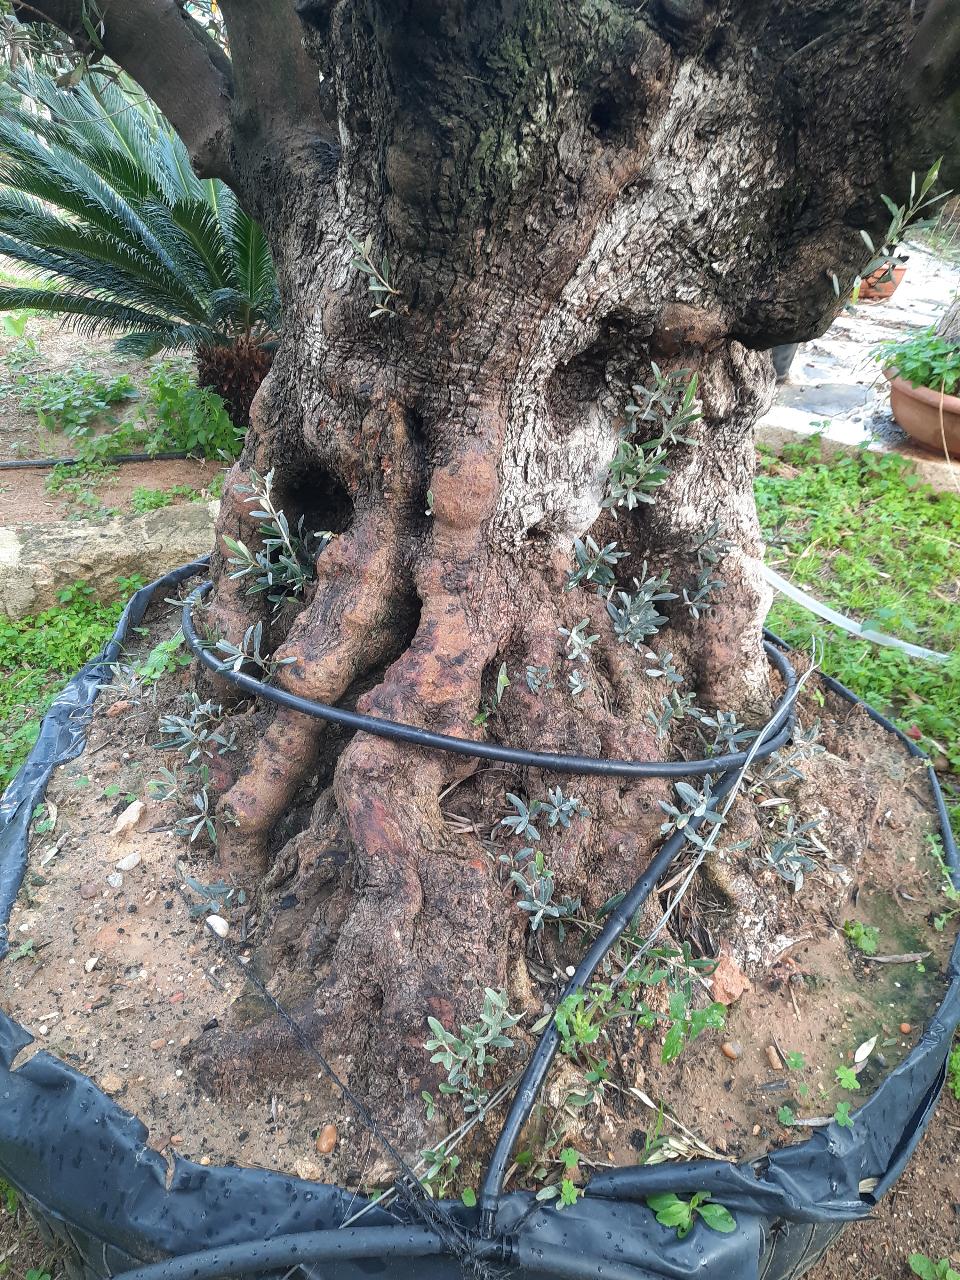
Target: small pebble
<point x="905" y="1028"/>
<point x="204" y="1160"/>
<point x="91" y="964"/>
<point x="115" y="880"/>
<point x="219" y="926"/>
<point x="111" y="1083"/>
<point x="157" y="1044"/>
<point x="128" y="862"/>
<point x="327" y="1139"/>
<point x="118" y="708"/>
<point x="776" y="1062"/>
<point x="570" y="971"/>
<point x="732" y="1049"/>
<point x="89" y="889"/>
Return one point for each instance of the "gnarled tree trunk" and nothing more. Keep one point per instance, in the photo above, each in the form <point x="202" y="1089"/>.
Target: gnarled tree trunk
<point x="567" y="194"/>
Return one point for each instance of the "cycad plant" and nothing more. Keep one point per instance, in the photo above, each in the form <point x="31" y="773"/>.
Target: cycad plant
<point x="99" y="202"/>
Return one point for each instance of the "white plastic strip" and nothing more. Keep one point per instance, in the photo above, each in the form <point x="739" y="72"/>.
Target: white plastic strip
<point x="847" y="624"/>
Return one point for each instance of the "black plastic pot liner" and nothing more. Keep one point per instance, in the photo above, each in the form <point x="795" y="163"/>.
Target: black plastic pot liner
<point x="87" y="1173"/>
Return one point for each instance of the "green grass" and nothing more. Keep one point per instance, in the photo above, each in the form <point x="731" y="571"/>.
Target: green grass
<point x="37" y="657"/>
<point x="862" y="533"/>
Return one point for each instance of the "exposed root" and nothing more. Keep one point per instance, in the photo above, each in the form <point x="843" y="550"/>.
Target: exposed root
<point x="350" y="625"/>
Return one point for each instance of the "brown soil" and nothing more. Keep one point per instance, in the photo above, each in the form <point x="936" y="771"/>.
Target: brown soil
<point x="128" y="986"/>
<point x="24" y="496"/>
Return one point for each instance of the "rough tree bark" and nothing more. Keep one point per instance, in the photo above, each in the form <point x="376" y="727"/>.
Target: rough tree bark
<point x="568" y="191"/>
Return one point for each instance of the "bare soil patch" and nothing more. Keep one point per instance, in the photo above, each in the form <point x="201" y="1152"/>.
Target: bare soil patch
<point x="125" y="983"/>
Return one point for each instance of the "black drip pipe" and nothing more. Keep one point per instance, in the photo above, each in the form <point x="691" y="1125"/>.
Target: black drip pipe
<point x="779" y="730"/>
<point x="22" y="464"/>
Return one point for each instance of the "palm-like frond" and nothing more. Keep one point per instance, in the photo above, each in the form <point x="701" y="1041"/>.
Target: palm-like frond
<point x="98" y="201"/>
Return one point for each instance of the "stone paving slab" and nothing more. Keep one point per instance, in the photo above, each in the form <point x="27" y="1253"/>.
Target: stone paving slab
<point x="836" y="387"/>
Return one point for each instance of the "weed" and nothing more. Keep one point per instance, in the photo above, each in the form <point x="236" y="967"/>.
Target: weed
<point x="947" y="886"/>
<point x="679" y="1214"/>
<point x="842" y="1115"/>
<point x="927" y="1269"/>
<point x="467" y="1058"/>
<point x="181" y="415"/>
<point x="864" y="937"/>
<point x="924" y="360"/>
<point x="69" y="478"/>
<point x="953" y="1071"/>
<point x="14" y="323"/>
<point x="846" y="1078"/>
<point x="37" y="655"/>
<point x="143" y="500"/>
<point x="164" y="659"/>
<point x="565" y="1192"/>
<point x="583" y="1017"/>
<point x="71" y="401"/>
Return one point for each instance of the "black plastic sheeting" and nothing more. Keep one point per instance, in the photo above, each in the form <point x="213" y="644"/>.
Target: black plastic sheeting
<point x="86" y="1173"/>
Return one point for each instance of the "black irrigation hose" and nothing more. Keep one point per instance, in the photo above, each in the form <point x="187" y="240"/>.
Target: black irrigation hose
<point x="306" y="1248"/>
<point x="260" y="1257"/>
<point x="775" y="735"/>
<point x="20" y="464"/>
<point x="780" y="728"/>
<point x="537" y="1067"/>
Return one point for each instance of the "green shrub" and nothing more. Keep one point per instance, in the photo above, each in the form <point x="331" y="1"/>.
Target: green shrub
<point x="925" y="360"/>
<point x="99" y="202"/>
<point x="187" y="416"/>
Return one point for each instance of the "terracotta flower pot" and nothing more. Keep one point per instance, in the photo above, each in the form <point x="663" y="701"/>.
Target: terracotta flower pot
<point x="878" y="286"/>
<point x="918" y="410"/>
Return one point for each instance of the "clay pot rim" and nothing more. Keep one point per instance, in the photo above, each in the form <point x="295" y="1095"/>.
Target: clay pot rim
<point x="951" y="404"/>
